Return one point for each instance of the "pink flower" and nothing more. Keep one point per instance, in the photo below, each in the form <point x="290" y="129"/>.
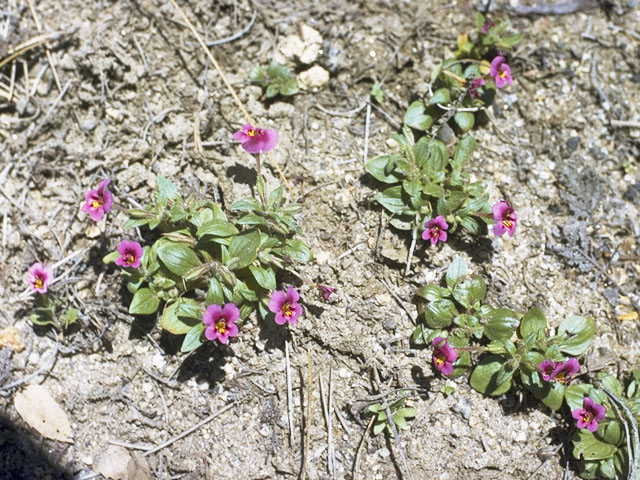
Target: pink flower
<point x="546" y="369"/>
<point x="286" y="306"/>
<point x="326" y="292"/>
<point x="475" y="84"/>
<point x="98" y="201"/>
<point x="488" y="25"/>
<point x="589" y="415"/>
<point x="40" y="277"/>
<point x="505" y="217"/>
<point x="221" y="322"/>
<point x="444" y="355"/>
<point x="435" y="230"/>
<point x="501" y="72"/>
<point x="565" y="371"/>
<point x="256" y="140"/>
<point x="130" y="254"/>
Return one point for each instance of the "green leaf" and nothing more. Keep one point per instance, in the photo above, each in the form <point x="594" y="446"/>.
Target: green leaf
<point x="288" y="87"/>
<point x="402" y="223"/>
<point x="272" y="90"/>
<point x="550" y="393"/>
<point x="483" y="378"/>
<point x="391" y="199"/>
<point x="437" y="160"/>
<point x="612" y="383"/>
<point x="470" y="224"/>
<point x="416" y="118"/>
<point x="580" y="331"/>
<point x="276" y="70"/>
<point x="275" y="197"/>
<point x="612" y="433"/>
<point x="442" y="95"/>
<point x="377" y="92"/>
<point x="144" y="302"/>
<point x="500" y="324"/>
<point x="412" y="187"/>
<point x="606" y="469"/>
<point x="218" y="228"/>
<point x="509" y="42"/>
<point x="423" y="335"/>
<point x="440" y="314"/>
<point x="252" y="219"/>
<point x="457" y="269"/>
<point x="469" y="290"/>
<point x="110" y="257"/>
<point x="69" y="317"/>
<point x="431" y="292"/>
<point x="464" y="151"/>
<point x="264" y="276"/>
<point x="465" y="120"/>
<point x="179" y="258"/>
<point x="533" y="322"/>
<point x="258" y="75"/>
<point x="248" y="204"/>
<point x="586" y="444"/>
<point x="433" y="190"/>
<point x="166" y="189"/>
<point x="180" y="316"/>
<point x="42" y="317"/>
<point x="574" y="394"/>
<point x="244" y="249"/>
<point x="215" y="294"/>
<point x="193" y="338"/>
<point x="297" y="250"/>
<point x="379" y="427"/>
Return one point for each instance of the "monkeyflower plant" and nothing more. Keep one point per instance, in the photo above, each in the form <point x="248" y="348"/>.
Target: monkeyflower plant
<point x="49" y="308"/>
<point x="275" y="80"/>
<point x="520" y="350"/>
<point x="206" y="269"/>
<point x="464" y="85"/>
<point x="427" y="189"/>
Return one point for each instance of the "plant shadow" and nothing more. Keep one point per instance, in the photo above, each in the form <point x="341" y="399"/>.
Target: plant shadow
<point x="26" y="455"/>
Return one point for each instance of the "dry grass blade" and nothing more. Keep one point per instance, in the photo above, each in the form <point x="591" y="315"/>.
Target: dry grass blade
<point x="32" y="43"/>
<point x="231" y="90"/>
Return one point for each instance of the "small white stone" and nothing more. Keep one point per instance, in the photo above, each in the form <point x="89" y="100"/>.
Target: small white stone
<point x="315" y="77"/>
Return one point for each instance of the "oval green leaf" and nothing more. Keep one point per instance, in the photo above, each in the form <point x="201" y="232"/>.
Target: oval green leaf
<point x="580" y="331"/>
<point x="144" y="302"/>
<point x="483" y="378"/>
<point x="179" y="258"/>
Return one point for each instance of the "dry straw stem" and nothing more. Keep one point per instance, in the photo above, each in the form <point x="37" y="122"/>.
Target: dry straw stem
<point x="28" y="45"/>
<point x="241" y="106"/>
<point x="189" y="430"/>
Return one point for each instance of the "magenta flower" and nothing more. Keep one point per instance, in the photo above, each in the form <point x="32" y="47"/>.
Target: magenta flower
<point x="130" y="254"/>
<point x="501" y="72"/>
<point x="589" y="415"/>
<point x="286" y="306"/>
<point x="256" y="140"/>
<point x="475" y="84"/>
<point x="444" y="355"/>
<point x="40" y="277"/>
<point x="98" y="201"/>
<point x="326" y="292"/>
<point x="221" y="322"/>
<point x="565" y="371"/>
<point x="488" y="25"/>
<point x="505" y="217"/>
<point x="547" y="368"/>
<point x="435" y="230"/>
